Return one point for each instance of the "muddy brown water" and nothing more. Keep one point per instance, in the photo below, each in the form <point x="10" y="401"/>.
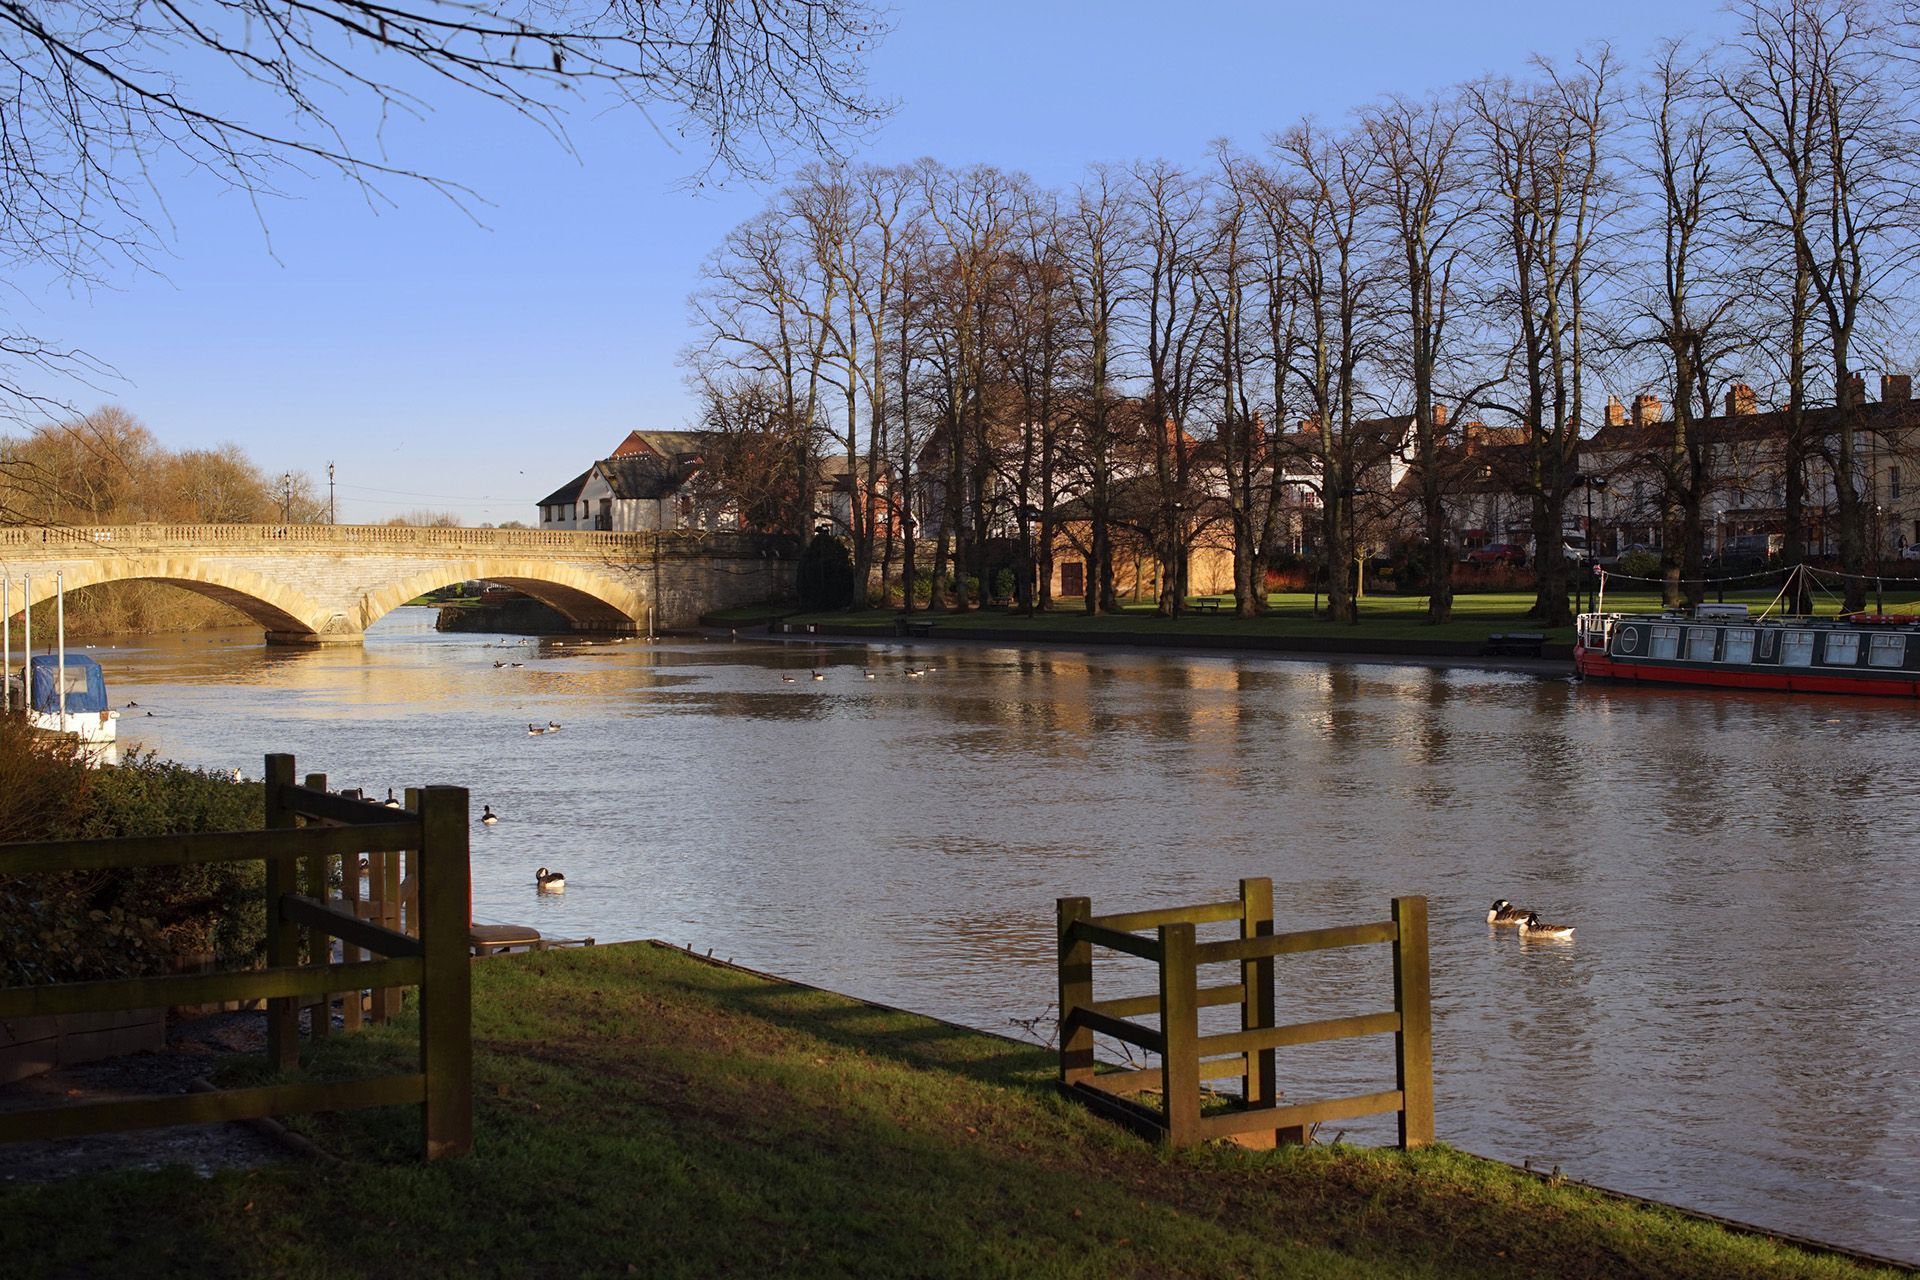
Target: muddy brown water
<point x="1733" y="1028"/>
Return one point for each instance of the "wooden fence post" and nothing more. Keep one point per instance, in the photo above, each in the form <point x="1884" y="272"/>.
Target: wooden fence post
<point x="1413" y="1001"/>
<point x="1076" y="991"/>
<point x="283" y="939"/>
<point x="446" y="1001"/>
<point x="1180" y="1033"/>
<point x="1259" y="1083"/>
<point x="319" y="945"/>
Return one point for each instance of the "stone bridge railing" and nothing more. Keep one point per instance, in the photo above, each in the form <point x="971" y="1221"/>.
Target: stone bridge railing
<point x="384" y="537"/>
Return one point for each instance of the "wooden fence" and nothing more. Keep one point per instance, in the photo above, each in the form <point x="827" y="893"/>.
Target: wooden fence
<point x="309" y="834"/>
<point x="1167" y="939"/>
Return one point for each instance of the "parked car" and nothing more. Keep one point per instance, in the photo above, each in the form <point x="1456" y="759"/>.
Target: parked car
<point x="1911" y="551"/>
<point x="1498" y="553"/>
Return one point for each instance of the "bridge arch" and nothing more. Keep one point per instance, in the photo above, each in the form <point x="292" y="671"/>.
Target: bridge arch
<point x="274" y="605"/>
<point x="590" y="601"/>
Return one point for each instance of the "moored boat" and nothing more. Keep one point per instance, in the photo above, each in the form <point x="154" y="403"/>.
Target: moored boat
<point x="1720" y="645"/>
<point x="83" y="712"/>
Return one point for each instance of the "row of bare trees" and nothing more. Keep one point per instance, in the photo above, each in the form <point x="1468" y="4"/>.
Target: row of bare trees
<point x="1162" y="348"/>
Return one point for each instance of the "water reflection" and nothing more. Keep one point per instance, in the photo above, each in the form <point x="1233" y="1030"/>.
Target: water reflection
<point x="1732" y="1027"/>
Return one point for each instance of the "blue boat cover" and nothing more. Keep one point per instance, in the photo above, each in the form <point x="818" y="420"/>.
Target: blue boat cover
<point x="86" y="685"/>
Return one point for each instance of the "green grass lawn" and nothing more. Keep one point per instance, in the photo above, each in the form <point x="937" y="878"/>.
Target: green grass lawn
<point x="641" y="1113"/>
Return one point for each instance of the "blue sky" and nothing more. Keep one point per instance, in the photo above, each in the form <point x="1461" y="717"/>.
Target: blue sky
<point x="471" y="365"/>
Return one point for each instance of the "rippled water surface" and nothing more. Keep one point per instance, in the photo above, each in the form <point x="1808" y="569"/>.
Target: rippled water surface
<point x="1733" y="1029"/>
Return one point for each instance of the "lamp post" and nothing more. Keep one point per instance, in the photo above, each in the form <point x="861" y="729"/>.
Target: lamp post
<point x="1028" y="514"/>
<point x="1351" y="493"/>
<point x="1589" y="562"/>
<point x="907" y="525"/>
<point x="1176" y="561"/>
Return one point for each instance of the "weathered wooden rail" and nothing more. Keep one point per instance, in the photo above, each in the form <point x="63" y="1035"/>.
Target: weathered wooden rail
<point x="1167" y="938"/>
<point x="309" y="834"/>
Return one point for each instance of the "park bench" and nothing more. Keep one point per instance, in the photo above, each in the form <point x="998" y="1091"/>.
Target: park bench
<point x="912" y="627"/>
<point x="1513" y="644"/>
<point x="1207" y="604"/>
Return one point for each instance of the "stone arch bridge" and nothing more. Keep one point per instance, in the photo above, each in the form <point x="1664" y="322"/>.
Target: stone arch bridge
<point x="326" y="584"/>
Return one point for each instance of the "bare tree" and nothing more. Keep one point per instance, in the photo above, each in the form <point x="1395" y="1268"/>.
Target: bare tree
<point x="1546" y="150"/>
<point x="1424" y="186"/>
<point x="1099" y="239"/>
<point x="1337" y="280"/>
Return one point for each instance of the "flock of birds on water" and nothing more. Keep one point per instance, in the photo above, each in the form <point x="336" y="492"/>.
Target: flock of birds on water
<point x="912" y="673"/>
<point x="1503" y="914"/>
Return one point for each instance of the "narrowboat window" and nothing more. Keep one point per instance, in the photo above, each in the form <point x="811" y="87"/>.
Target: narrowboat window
<point x="1666" y="643"/>
<point x="1700" y="643"/>
<point x="1766" y="644"/>
<point x="1887" y="651"/>
<point x="1796" y="649"/>
<point x="1843" y="649"/>
<point x="1739" y="645"/>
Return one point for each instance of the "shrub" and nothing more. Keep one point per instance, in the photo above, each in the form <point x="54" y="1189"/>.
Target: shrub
<point x="1639" y="564"/>
<point x="825" y="576"/>
<point x="82" y="925"/>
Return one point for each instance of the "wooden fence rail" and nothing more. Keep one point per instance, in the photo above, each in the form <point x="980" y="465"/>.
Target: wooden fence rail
<point x="1188" y="1058"/>
<point x="309" y="834"/>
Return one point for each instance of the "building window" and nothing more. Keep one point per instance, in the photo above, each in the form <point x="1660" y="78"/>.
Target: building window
<point x="1893" y="482"/>
<point x="1796" y="649"/>
<point x="1843" y="649"/>
<point x="1887" y="651"/>
<point x="1739" y="647"/>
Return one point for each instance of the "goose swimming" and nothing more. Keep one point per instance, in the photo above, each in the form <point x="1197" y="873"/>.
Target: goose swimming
<point x="487" y="816"/>
<point x="1505" y="913"/>
<point x="550" y="881"/>
<point x="1534" y="927"/>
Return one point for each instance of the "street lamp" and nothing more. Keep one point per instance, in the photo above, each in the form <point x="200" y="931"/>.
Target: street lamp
<point x="1176" y="562"/>
<point x="1028" y="514"/>
<point x="1589" y="562"/>
<point x="1351" y="493"/>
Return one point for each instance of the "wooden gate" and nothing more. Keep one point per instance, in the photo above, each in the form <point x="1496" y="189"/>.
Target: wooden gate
<point x="309" y="832"/>
<point x="1167" y="939"/>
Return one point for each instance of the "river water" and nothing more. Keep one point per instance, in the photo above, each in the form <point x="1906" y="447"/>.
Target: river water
<point x="1734" y="1027"/>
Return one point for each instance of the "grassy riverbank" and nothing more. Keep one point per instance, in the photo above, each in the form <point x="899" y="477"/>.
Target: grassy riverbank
<point x="1293" y="615"/>
<point x="643" y="1113"/>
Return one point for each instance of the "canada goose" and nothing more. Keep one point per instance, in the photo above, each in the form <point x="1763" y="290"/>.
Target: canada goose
<point x="534" y="730"/>
<point x="487" y="816"/>
<point x="497" y="665"/>
<point x="1504" y="912"/>
<point x="819" y="675"/>
<point x="553" y="726"/>
<point x="868" y="674"/>
<point x="516" y="664"/>
<point x="550" y="881"/>
<point x="1533" y="927"/>
<point x="392" y="801"/>
<point x="786" y="679"/>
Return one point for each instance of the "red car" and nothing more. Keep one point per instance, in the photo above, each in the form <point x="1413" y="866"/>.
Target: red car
<point x="1498" y="553"/>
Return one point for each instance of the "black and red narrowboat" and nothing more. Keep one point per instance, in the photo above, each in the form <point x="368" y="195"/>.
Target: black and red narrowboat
<point x="1721" y="645"/>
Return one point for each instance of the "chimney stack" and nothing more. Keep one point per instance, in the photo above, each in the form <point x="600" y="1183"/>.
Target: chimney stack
<point x="1616" y="412"/>
<point x="1857" y="383"/>
<point x="1646" y="410"/>
<point x="1740" y="402"/>
<point x="1439" y="417"/>
<point x="1895" y="388"/>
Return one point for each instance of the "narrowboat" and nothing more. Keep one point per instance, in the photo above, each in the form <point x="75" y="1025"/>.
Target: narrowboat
<point x="1720" y="645"/>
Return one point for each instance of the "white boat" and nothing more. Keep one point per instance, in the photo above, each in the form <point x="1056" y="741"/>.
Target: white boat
<point x="79" y="708"/>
